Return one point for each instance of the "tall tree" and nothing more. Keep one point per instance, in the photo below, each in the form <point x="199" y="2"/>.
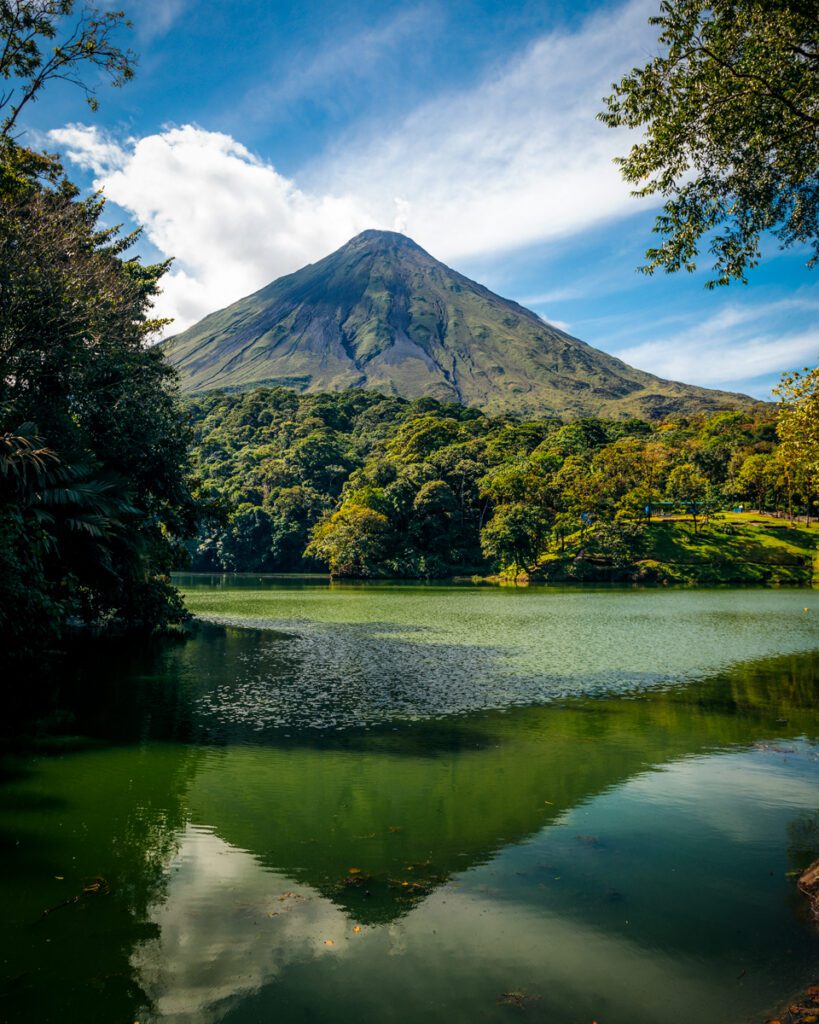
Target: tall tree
<point x="43" y="41"/>
<point x="729" y="115"/>
<point x="93" y="515"/>
<point x="75" y="360"/>
<point x="798" y="429"/>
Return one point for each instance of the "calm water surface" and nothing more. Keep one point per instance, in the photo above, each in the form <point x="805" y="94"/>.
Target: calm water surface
<point x="404" y="803"/>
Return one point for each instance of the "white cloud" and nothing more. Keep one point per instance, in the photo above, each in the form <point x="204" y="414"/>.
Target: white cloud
<point x="516" y="159"/>
<point x="156" y="17"/>
<point x="89" y="148"/>
<point x="225" y="928"/>
<point x="230" y="220"/>
<point x="561" y="325"/>
<point x="734" y="346"/>
<point x="215" y="946"/>
<point x="320" y="75"/>
<point x="565" y="294"/>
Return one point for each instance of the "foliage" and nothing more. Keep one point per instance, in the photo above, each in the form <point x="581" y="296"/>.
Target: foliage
<point x="43" y="41"/>
<point x="730" y="114"/>
<point x="619" y="542"/>
<point x="93" y="456"/>
<point x="687" y="487"/>
<point x="353" y="542"/>
<point x="424" y="489"/>
<point x="798" y="430"/>
<point x="93" y="498"/>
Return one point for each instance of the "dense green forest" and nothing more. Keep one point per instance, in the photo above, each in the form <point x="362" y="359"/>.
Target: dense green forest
<point x="94" y="495"/>
<point x="93" y="454"/>
<point x="369" y="486"/>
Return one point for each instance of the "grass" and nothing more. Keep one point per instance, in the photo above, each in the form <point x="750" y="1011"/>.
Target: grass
<point x="735" y="547"/>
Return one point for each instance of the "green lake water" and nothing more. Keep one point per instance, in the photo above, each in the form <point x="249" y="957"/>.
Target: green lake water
<point x="396" y="803"/>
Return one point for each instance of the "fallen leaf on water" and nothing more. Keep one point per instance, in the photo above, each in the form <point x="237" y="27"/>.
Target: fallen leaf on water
<point x="520" y="1000"/>
<point x="354" y="871"/>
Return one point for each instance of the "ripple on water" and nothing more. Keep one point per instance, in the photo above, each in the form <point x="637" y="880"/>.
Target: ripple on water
<point x="334" y="675"/>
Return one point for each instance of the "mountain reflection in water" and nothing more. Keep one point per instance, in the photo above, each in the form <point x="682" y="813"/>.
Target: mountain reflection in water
<point x="620" y="859"/>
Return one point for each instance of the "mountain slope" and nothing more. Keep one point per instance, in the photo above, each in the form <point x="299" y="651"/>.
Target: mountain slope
<point x="381" y="313"/>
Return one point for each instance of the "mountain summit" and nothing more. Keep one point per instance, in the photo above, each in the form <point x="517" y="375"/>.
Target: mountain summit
<point x="381" y="313"/>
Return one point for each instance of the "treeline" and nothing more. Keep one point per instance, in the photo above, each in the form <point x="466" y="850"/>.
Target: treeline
<point x="366" y="485"/>
<point x="94" y="498"/>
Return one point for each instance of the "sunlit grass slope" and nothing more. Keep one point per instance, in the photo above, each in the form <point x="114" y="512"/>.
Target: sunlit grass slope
<point x="731" y="548"/>
<point x="737" y="548"/>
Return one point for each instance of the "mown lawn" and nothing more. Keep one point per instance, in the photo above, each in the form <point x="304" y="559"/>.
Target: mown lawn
<point x="736" y="546"/>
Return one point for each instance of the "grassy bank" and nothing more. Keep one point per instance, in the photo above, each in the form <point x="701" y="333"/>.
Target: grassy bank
<point x="732" y="548"/>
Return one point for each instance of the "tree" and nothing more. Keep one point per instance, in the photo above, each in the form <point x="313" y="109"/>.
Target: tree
<point x="40" y="43"/>
<point x="798" y="428"/>
<point x="688" y="487"/>
<point x="730" y="115"/>
<point x="245" y="545"/>
<point x="417" y="439"/>
<point x="622" y="542"/>
<point x="516" y="535"/>
<point x="758" y="478"/>
<point x="524" y="497"/>
<point x="293" y="513"/>
<point x="434" y="518"/>
<point x="75" y="360"/>
<point x="353" y="542"/>
<point x="580" y="494"/>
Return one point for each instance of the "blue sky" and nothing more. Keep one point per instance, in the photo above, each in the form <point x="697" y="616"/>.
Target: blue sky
<point x="257" y="137"/>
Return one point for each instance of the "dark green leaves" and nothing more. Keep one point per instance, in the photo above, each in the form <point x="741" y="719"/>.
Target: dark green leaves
<point x="729" y="109"/>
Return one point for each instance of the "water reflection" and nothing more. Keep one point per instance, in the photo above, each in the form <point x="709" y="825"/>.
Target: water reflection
<point x="229" y="932"/>
<point x="600" y="911"/>
<point x="618" y="859"/>
<point x="225" y="928"/>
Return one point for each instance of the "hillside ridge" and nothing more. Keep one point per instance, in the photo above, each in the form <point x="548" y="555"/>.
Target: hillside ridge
<point x="382" y="313"/>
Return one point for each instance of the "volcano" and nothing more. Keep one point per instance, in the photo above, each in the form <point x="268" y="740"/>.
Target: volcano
<point x="381" y="313"/>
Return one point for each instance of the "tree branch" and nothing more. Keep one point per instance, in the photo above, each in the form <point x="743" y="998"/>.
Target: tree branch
<point x="750" y="76"/>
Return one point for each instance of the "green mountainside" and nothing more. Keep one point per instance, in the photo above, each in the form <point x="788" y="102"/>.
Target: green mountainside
<point x="381" y="313"/>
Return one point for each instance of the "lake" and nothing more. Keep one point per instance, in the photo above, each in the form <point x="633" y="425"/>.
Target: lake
<point x="398" y="802"/>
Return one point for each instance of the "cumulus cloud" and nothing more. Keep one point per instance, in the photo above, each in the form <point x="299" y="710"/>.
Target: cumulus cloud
<point x="564" y="294"/>
<point x="230" y="220"/>
<point x="204" y="957"/>
<point x="516" y="158"/>
<point x="561" y="325"/>
<point x="734" y="346"/>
